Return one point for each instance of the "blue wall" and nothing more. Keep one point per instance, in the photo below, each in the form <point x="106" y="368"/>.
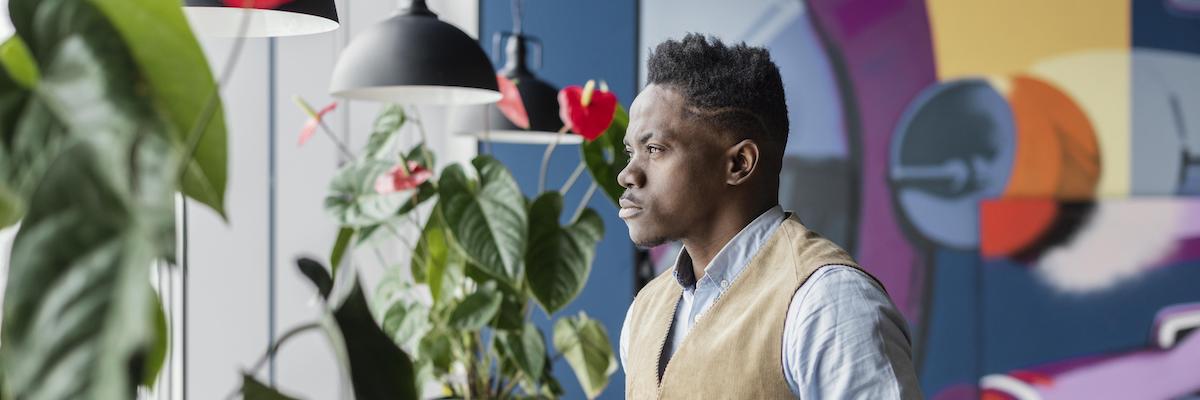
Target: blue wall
<point x="582" y="40"/>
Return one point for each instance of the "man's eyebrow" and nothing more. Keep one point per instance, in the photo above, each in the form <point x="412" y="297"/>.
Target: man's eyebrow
<point x="642" y="139"/>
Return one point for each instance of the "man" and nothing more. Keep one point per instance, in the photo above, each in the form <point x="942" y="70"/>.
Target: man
<point x="757" y="306"/>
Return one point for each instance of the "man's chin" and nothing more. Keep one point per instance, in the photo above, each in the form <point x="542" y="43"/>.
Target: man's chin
<point x="646" y="243"/>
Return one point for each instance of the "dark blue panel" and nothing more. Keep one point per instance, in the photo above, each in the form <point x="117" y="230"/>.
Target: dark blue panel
<point x="1028" y="323"/>
<point x="1157" y="25"/>
<point x="582" y="40"/>
<point x="952" y="348"/>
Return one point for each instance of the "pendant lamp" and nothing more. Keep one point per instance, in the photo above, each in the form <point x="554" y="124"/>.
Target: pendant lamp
<point x="296" y="17"/>
<point x="414" y="58"/>
<point x="540" y="98"/>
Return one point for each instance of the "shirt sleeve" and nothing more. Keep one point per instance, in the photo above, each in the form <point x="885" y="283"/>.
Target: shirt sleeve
<point x="844" y="339"/>
<point x="624" y="341"/>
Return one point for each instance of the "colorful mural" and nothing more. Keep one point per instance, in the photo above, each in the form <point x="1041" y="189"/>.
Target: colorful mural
<point x="1017" y="173"/>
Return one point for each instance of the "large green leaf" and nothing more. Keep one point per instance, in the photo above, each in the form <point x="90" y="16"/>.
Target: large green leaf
<point x="559" y="258"/>
<point x="605" y="157"/>
<point x="584" y="343"/>
<point x="487" y="217"/>
<point x="527" y="348"/>
<point x="477" y="308"/>
<point x="353" y="200"/>
<point x="379" y="369"/>
<point x="181" y="83"/>
<point x="92" y="156"/>
<point x="76" y="302"/>
<point x="252" y="389"/>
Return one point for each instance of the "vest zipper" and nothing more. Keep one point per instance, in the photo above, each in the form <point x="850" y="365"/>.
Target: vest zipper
<point x="660" y="370"/>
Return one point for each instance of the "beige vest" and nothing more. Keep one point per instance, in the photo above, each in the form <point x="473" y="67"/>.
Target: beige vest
<point x="735" y="351"/>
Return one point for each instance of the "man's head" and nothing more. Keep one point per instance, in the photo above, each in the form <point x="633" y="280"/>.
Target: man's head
<point x="705" y="136"/>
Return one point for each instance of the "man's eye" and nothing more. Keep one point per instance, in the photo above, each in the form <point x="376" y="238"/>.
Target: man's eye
<point x="652" y="149"/>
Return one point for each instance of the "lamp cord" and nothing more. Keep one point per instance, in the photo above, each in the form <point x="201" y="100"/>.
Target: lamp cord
<point x="516" y="16"/>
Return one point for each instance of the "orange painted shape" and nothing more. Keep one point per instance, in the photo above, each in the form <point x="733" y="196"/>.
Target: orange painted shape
<point x="1010" y="225"/>
<point x="1057" y="155"/>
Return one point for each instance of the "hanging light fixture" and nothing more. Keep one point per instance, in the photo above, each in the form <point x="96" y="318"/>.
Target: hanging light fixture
<point x="415" y="58"/>
<point x="540" y="98"/>
<point x="296" y="17"/>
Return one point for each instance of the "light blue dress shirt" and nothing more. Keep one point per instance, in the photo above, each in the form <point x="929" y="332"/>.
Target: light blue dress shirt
<point x="842" y="339"/>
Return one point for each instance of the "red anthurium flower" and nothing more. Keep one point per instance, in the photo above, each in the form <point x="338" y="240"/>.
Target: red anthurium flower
<point x="398" y="180"/>
<point x="267" y="4"/>
<point x="510" y="103"/>
<point x="314" y="120"/>
<point x="587" y="111"/>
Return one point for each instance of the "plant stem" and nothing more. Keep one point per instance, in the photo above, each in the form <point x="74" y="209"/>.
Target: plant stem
<point x="583" y="203"/>
<point x="274" y="349"/>
<point x="546" y="159"/>
<point x="337" y="142"/>
<point x="574" y="175"/>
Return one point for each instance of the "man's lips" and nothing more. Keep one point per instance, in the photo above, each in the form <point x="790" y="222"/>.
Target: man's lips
<point x="629" y="208"/>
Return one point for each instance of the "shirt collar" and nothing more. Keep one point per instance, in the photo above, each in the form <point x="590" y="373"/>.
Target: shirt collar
<point x="736" y="254"/>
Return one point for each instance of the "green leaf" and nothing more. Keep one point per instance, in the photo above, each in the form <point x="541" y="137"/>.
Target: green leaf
<point x="353" y="200"/>
<point x="76" y="302"/>
<point x="406" y="322"/>
<point x="527" y="348"/>
<point x="584" y="343"/>
<point x="339" y="247"/>
<point x="162" y="341"/>
<point x="476" y="309"/>
<point x="379" y="369"/>
<point x="434" y="259"/>
<point x="252" y="389"/>
<point x="512" y="311"/>
<point x="181" y="83"/>
<point x="436" y="348"/>
<point x="605" y="167"/>
<point x="487" y="217"/>
<point x="387" y="123"/>
<point x="11" y="207"/>
<point x="559" y="258"/>
<point x="317" y="274"/>
<point x="19" y="64"/>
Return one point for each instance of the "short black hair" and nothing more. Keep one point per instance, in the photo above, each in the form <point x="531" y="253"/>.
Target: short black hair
<point x="737" y="87"/>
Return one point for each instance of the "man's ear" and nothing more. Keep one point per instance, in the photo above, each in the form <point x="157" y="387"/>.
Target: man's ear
<point x="742" y="160"/>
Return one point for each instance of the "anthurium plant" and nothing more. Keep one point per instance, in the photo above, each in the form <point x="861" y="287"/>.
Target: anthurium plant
<point x="485" y="256"/>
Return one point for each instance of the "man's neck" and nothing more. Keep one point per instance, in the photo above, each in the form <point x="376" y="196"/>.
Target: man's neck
<point x="703" y="247"/>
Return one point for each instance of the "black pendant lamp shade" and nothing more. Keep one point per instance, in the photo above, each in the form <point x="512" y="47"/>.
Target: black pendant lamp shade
<point x="415" y="58"/>
<point x="296" y="17"/>
<point x="539" y="97"/>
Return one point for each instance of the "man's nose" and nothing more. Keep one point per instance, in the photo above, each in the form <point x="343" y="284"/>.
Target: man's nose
<point x="631" y="176"/>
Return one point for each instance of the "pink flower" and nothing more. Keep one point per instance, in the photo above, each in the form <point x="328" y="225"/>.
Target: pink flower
<point x="265" y="4"/>
<point x="587" y="111"/>
<point x="314" y="121"/>
<point x="510" y="103"/>
<point x="398" y="180"/>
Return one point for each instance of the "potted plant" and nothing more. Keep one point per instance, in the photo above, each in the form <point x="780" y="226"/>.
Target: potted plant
<point x="485" y="257"/>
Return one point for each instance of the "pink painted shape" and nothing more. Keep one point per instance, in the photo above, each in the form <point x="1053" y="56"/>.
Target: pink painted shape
<point x="889" y="57"/>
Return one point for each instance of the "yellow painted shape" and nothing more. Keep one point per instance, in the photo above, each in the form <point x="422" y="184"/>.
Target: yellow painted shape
<point x="1005" y="37"/>
<point x="1099" y="82"/>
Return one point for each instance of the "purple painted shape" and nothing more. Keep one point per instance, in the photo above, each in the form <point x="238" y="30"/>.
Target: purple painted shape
<point x="888" y="56"/>
<point x="1185" y="250"/>
<point x="1147" y="374"/>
